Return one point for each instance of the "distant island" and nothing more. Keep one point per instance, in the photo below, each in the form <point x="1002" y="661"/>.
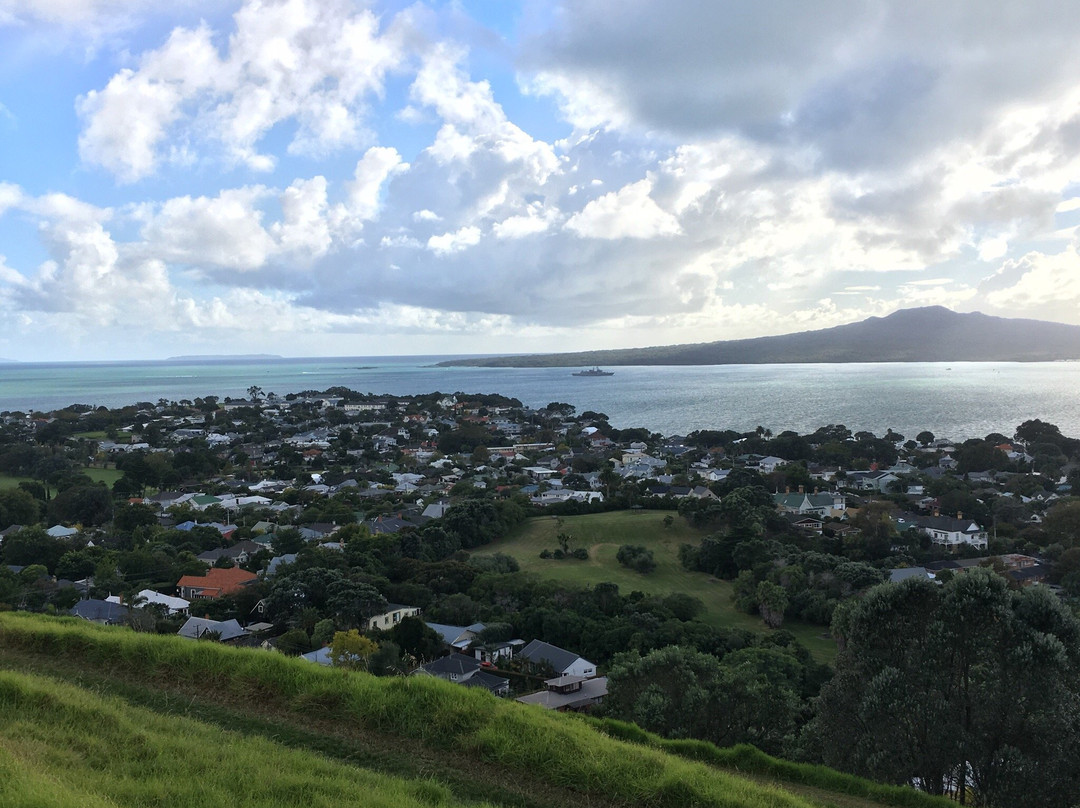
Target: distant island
<point x="8" y="361"/>
<point x="220" y="357"/>
<point x="928" y="334"/>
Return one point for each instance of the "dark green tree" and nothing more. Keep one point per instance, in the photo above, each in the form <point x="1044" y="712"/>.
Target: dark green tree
<point x="968" y="688"/>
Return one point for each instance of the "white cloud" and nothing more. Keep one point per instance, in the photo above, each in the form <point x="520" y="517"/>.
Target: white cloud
<point x="223" y="231"/>
<point x="454" y="242"/>
<point x="1041" y="284"/>
<point x="537" y="219"/>
<point x="377" y="165"/>
<point x="303" y="228"/>
<point x="313" y="63"/>
<point x="627" y="213"/>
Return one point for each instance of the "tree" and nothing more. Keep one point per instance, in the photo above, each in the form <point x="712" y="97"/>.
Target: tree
<point x="772" y="601"/>
<point x="636" y="557"/>
<point x="350" y="649"/>
<point x="18" y="507"/>
<point x="417" y="639"/>
<point x="294" y="642"/>
<point x="750" y="696"/>
<point x="1000" y="664"/>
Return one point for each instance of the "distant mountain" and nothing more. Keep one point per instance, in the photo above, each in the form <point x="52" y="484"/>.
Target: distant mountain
<point x="930" y="334"/>
<point x="8" y="361"/>
<point x="220" y="357"/>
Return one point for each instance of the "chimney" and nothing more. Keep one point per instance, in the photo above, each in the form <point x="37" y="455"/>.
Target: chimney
<point x="937" y="512"/>
<point x="959" y="514"/>
<point x="802" y="490"/>
<point x="787" y="489"/>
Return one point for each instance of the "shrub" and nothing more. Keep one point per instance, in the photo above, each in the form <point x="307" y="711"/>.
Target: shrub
<point x="636" y="557"/>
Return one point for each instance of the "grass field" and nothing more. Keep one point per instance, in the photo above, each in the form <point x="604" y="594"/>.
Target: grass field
<point x="107" y="476"/>
<point x="7" y="482"/>
<point x="98" y="475"/>
<point x="602" y="534"/>
<point x="96" y="716"/>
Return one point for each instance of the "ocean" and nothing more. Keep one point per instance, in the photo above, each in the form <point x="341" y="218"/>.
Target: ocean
<point x="957" y="400"/>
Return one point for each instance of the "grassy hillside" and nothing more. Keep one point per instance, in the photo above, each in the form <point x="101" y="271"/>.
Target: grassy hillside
<point x="602" y="533"/>
<point x="93" y="716"/>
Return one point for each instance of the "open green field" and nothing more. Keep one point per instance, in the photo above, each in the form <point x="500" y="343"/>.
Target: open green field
<point x="96" y="716"/>
<point x="603" y="533"/>
<point x="107" y="476"/>
<point x="7" y="482"/>
<point x="98" y="475"/>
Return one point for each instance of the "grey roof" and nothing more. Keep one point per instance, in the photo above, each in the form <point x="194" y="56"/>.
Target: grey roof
<point x="452" y="664"/>
<point x="100" y="611"/>
<point x="277" y="561"/>
<point x="196" y="627"/>
<point x="451" y="635"/>
<point x="903" y="573"/>
<point x="592" y="691"/>
<point x="539" y="652"/>
<point x="488" y="681"/>
<point x="320" y="657"/>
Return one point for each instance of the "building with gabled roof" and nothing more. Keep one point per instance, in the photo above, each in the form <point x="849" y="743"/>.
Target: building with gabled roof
<point x="822" y="505"/>
<point x="945" y="530"/>
<point x="540" y="655"/>
<point x="216" y="583"/>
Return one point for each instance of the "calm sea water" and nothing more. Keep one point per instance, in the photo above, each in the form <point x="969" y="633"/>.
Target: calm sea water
<point x="957" y="400"/>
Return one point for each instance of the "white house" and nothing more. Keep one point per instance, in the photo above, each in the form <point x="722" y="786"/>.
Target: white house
<point x="565" y="663"/>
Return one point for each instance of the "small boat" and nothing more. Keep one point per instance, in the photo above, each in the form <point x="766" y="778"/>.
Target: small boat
<point x="594" y="372"/>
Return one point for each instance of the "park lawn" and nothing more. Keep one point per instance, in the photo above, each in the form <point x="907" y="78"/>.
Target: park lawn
<point x="602" y="534"/>
<point x="97" y="434"/>
<point x="99" y="475"/>
<point x="7" y="482"/>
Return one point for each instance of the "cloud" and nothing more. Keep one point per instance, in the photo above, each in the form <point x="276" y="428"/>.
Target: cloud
<point x="224" y="231"/>
<point x="378" y="164"/>
<point x="864" y="83"/>
<point x="454" y="242"/>
<point x="311" y="63"/>
<point x="1040" y="283"/>
<point x="627" y="213"/>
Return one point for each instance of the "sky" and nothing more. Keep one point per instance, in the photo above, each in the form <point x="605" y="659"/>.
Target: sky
<point x="348" y="178"/>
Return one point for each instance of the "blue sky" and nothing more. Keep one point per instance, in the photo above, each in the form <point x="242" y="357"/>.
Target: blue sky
<point x="334" y="177"/>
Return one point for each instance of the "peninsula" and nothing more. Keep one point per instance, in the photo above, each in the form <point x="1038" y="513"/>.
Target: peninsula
<point x="929" y="334"/>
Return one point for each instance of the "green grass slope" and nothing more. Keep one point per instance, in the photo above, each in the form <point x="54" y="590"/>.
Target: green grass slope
<point x="62" y="745"/>
<point x="103" y="716"/>
<point x="603" y="533"/>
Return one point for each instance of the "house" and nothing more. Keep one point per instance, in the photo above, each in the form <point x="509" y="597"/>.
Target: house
<point x="569" y="693"/>
<point x="945" y="530"/>
<point x="459" y="637"/>
<point x="196" y="628"/>
<point x="903" y="573"/>
<point x="148" y="597"/>
<point x="803" y="504"/>
<point x="214" y="584"/>
<point x="541" y="655"/>
<point x="880" y="481"/>
<point x="100" y="611"/>
<point x="239" y="553"/>
<point x="808" y="523"/>
<point x="464" y="670"/>
<point x="394" y="614"/>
